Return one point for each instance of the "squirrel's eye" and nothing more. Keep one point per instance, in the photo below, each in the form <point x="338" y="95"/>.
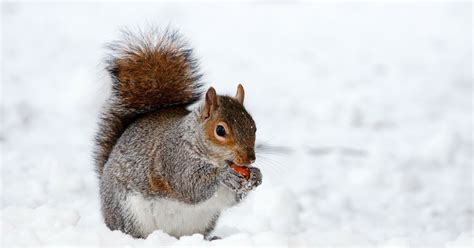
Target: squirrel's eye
<point x="220" y="130"/>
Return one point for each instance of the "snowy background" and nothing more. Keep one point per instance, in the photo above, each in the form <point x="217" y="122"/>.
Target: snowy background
<point x="364" y="110"/>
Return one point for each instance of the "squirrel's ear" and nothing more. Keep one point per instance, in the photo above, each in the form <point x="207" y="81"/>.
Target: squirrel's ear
<point x="239" y="96"/>
<point x="210" y="104"/>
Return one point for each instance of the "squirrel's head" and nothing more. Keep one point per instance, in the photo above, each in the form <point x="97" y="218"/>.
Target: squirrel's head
<point x="228" y="128"/>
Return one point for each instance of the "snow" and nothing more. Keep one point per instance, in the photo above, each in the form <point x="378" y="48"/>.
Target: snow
<point x="364" y="115"/>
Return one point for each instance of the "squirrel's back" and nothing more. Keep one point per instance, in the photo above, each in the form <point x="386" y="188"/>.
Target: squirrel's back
<point x="149" y="71"/>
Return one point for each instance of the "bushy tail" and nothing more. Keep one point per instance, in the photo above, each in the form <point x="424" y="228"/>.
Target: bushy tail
<point x="149" y="70"/>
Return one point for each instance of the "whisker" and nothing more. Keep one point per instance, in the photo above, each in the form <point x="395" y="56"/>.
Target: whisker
<point x="274" y="150"/>
<point x="272" y="164"/>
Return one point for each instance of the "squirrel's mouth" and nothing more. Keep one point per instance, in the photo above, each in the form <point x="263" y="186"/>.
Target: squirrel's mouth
<point x="231" y="162"/>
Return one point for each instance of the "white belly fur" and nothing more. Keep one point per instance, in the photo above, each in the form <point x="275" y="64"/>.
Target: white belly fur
<point x="174" y="217"/>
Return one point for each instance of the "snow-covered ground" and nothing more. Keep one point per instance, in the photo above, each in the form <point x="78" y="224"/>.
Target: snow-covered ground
<point x="364" y="110"/>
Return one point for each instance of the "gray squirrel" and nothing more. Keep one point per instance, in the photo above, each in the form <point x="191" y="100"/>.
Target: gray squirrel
<point x="160" y="165"/>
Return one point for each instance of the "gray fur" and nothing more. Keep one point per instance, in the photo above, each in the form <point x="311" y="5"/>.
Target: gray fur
<point x="171" y="145"/>
<point x="160" y="166"/>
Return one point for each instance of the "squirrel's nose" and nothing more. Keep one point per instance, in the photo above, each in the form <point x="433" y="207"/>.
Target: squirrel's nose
<point x="251" y="157"/>
<point x="246" y="157"/>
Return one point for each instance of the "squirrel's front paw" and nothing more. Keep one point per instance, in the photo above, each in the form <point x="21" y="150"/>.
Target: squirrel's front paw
<point x="233" y="180"/>
<point x="255" y="178"/>
<point x="237" y="183"/>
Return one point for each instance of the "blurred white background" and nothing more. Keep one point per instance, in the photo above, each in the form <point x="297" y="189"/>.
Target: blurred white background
<point x="365" y="111"/>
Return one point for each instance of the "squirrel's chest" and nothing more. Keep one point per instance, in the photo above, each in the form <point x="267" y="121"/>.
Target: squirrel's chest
<point x="177" y="218"/>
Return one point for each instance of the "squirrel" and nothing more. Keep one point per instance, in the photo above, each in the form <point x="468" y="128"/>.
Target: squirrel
<point x="161" y="166"/>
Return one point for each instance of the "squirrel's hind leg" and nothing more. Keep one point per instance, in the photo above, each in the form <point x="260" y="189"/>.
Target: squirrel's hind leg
<point x="210" y="228"/>
<point x="116" y="215"/>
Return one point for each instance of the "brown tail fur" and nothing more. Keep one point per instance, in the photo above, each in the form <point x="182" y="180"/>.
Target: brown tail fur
<point x="149" y="71"/>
